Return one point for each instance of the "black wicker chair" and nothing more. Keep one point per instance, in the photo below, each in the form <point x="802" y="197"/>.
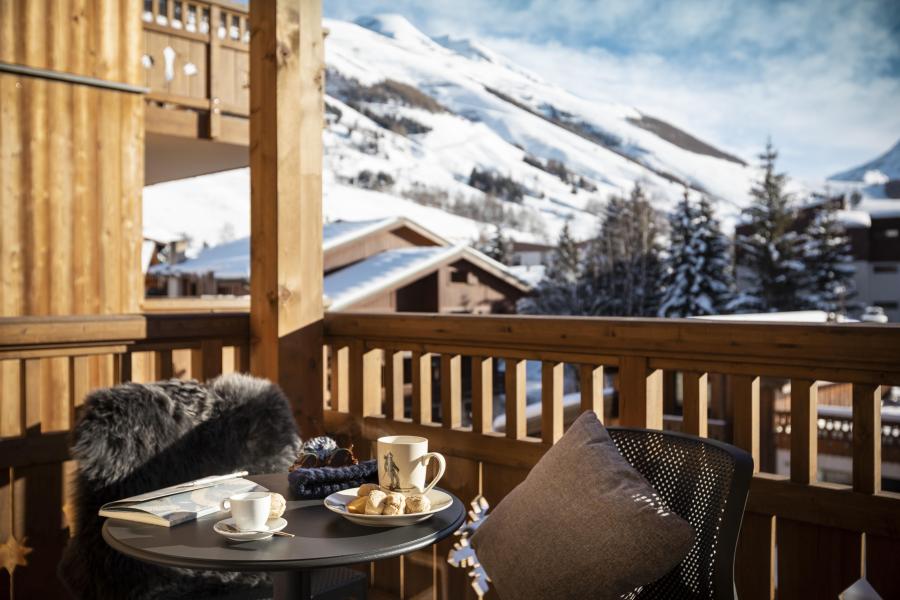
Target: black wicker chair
<point x="706" y="482"/>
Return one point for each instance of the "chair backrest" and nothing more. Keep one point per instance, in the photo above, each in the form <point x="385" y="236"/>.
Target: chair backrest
<point x="704" y="481"/>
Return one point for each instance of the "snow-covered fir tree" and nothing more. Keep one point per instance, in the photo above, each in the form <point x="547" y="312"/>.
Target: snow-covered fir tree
<point x="828" y="263"/>
<point x="698" y="273"/>
<point x="559" y="293"/>
<point x="624" y="269"/>
<point x="499" y="247"/>
<point x="769" y="253"/>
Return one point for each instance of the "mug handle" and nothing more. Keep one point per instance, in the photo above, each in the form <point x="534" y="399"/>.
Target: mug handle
<point x="225" y="505"/>
<point x="442" y="466"/>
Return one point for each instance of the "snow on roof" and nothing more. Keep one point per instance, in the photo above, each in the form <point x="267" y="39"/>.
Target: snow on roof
<point x="531" y="274"/>
<point x="390" y="268"/>
<point x="148" y="249"/>
<point x="341" y="232"/>
<point x="226" y="261"/>
<point x="232" y="259"/>
<point x="358" y="281"/>
<point x="854" y="218"/>
<point x="796" y="316"/>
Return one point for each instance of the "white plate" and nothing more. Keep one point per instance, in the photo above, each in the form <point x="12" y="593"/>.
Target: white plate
<point x="272" y="525"/>
<point x="337" y="503"/>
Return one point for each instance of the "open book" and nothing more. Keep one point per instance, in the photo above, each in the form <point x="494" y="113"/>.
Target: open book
<point x="180" y="503"/>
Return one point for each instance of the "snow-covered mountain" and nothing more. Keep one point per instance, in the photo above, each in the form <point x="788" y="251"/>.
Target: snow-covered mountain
<point x="883" y="168"/>
<point x="448" y="132"/>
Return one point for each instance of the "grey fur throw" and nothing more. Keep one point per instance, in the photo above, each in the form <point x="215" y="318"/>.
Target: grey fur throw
<point x="136" y="438"/>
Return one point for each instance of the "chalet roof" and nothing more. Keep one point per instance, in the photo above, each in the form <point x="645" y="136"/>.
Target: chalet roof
<point x="231" y="260"/>
<point x="394" y="268"/>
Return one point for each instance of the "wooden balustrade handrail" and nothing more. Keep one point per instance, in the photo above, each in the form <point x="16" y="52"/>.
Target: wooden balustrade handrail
<point x="23" y="333"/>
<point x="855" y="351"/>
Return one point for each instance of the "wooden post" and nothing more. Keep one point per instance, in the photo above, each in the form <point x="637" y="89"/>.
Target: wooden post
<point x="286" y="314"/>
<point x="551" y="401"/>
<point x="393" y="384"/>
<point x="640" y="394"/>
<point x="421" y="387"/>
<point x="482" y="394"/>
<point x="866" y="438"/>
<point x="451" y="390"/>
<point x="695" y="391"/>
<point x="515" y="398"/>
<point x="744" y="392"/>
<point x="804" y="430"/>
<point x="592" y="389"/>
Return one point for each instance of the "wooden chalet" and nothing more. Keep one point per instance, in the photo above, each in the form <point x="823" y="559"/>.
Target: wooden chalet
<point x="89" y="88"/>
<point x="390" y="264"/>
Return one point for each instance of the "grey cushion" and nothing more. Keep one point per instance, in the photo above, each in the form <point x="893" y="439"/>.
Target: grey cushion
<point x="583" y="524"/>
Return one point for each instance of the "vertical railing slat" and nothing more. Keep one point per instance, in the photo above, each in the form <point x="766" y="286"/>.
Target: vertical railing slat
<point x="695" y="392"/>
<point x="744" y="391"/>
<point x="551" y="401"/>
<point x="365" y="380"/>
<point x="421" y="387"/>
<point x="515" y="398"/>
<point x="451" y="390"/>
<point x="163" y="367"/>
<point x="482" y="393"/>
<point x="804" y="430"/>
<point x="640" y="393"/>
<point x="592" y="389"/>
<point x="866" y="438"/>
<point x="206" y="361"/>
<point x="393" y="384"/>
<point x="340" y="378"/>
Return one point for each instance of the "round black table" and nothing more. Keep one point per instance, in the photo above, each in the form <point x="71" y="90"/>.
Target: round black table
<point x="323" y="539"/>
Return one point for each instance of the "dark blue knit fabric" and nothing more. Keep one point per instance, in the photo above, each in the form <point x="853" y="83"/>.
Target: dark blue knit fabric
<point x="319" y="482"/>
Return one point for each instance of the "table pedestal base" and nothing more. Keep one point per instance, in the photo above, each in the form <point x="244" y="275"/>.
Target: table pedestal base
<point x="319" y="584"/>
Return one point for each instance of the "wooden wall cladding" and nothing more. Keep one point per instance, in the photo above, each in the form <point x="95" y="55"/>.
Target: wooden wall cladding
<point x="71" y="175"/>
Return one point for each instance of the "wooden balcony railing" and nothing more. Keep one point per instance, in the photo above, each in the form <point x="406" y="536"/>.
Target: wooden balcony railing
<point x="822" y="530"/>
<point x="196" y="65"/>
<point x="433" y="375"/>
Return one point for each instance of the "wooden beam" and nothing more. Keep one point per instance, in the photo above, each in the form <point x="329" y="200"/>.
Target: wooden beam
<point x="695" y="388"/>
<point x="551" y="401"/>
<point x="286" y="84"/>
<point x="482" y="394"/>
<point x="866" y="438"/>
<point x="640" y="393"/>
<point x="744" y="391"/>
<point x="804" y="430"/>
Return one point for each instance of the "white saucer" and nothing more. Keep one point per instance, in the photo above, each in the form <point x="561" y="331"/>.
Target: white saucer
<point x="337" y="503"/>
<point x="272" y="525"/>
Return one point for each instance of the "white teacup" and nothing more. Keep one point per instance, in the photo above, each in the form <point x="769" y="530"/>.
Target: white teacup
<point x="402" y="461"/>
<point x="249" y="509"/>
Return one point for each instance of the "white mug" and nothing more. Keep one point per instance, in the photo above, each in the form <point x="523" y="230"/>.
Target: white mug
<point x="249" y="509"/>
<point x="402" y="461"/>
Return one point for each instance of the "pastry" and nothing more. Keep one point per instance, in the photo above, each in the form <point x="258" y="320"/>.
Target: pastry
<point x="417" y="503"/>
<point x="366" y="488"/>
<point x="375" y="502"/>
<point x="278" y="506"/>
<point x="357" y="506"/>
<point x="394" y="504"/>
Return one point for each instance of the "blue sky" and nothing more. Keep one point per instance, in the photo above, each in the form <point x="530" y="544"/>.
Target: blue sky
<point x="821" y="77"/>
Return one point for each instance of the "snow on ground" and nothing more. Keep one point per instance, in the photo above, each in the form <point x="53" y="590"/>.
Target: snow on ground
<point x="796" y="316"/>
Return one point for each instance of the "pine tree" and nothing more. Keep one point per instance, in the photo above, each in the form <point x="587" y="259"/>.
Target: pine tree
<point x="499" y="247"/>
<point x="566" y="264"/>
<point x="769" y="253"/>
<point x="697" y="278"/>
<point x="624" y="270"/>
<point x="559" y="291"/>
<point x="828" y="263"/>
